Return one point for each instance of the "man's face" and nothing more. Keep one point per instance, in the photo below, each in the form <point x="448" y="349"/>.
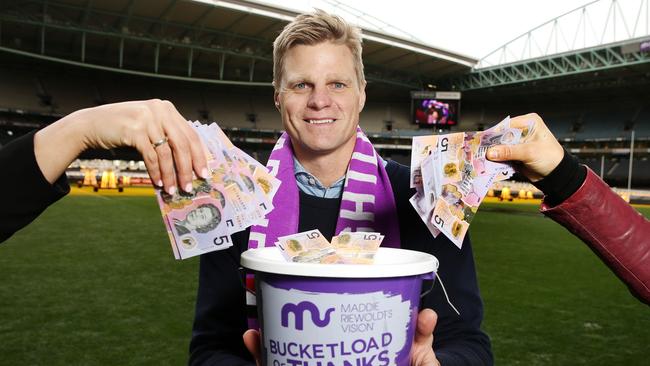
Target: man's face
<point x="320" y="98"/>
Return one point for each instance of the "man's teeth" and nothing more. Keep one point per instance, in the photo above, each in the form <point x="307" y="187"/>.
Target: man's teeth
<point x="320" y="121"/>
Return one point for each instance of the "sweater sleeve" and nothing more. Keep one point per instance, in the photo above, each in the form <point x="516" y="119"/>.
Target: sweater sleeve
<point x="563" y="181"/>
<point x="27" y="192"/>
<point x="458" y="339"/>
<point x="220" y="315"/>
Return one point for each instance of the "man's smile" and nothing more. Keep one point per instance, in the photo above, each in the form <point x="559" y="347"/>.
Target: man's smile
<point x="320" y="121"/>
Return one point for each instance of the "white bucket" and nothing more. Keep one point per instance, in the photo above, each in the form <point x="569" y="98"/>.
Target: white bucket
<point x="338" y="314"/>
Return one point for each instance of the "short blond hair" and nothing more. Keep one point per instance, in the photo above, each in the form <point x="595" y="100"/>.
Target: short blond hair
<point x="314" y="28"/>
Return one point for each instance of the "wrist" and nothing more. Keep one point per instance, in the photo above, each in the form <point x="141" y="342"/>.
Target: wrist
<point x="563" y="181"/>
<point x="77" y="126"/>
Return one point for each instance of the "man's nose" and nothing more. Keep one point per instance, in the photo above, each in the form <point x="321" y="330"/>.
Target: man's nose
<point x="319" y="98"/>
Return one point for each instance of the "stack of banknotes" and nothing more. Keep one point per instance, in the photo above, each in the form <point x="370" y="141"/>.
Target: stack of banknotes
<point x="345" y="248"/>
<point x="452" y="175"/>
<point x="237" y="194"/>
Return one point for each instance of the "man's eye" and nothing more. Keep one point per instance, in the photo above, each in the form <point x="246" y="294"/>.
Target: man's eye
<point x="300" y="86"/>
<point x="339" y="85"/>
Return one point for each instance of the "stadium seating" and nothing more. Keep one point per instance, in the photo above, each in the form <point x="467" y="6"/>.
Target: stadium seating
<point x="17" y="91"/>
<point x="29" y="98"/>
<point x="615" y="170"/>
<point x="560" y="125"/>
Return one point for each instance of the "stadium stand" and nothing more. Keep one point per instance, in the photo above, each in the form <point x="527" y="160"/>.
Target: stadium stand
<point x="605" y="122"/>
<point x="17" y="92"/>
<point x="561" y="124"/>
<point x="68" y="90"/>
<point x="592" y="113"/>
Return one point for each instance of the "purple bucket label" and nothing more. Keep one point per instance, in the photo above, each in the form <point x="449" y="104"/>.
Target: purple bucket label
<point x="304" y="328"/>
<point x="338" y="315"/>
<point x="298" y="311"/>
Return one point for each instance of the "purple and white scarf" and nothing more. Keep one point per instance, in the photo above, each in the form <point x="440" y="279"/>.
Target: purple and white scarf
<point x="367" y="203"/>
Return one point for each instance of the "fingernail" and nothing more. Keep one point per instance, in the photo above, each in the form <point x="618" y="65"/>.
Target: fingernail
<point x="159" y="183"/>
<point x="188" y="187"/>
<point x="493" y="154"/>
<point x="204" y="173"/>
<point x="172" y="190"/>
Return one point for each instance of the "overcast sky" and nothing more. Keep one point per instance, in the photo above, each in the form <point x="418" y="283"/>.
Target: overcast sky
<point x="473" y="28"/>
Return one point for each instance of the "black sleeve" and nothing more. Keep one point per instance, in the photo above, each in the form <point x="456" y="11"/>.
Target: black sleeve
<point x="458" y="339"/>
<point x="26" y="191"/>
<point x="563" y="181"/>
<point x="220" y="316"/>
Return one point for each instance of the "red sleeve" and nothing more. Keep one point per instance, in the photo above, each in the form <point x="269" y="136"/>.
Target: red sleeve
<point x="615" y="231"/>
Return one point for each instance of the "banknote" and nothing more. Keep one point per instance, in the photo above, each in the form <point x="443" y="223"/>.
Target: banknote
<point x="430" y="180"/>
<point x="417" y="201"/>
<point x="452" y="156"/>
<point x="357" y="247"/>
<point x="452" y="175"/>
<point x="420" y="148"/>
<point x="250" y="203"/>
<point x="309" y="246"/>
<point x="247" y="173"/>
<point x="446" y="218"/>
<point x="238" y="193"/>
<point x="346" y="248"/>
<point x="198" y="227"/>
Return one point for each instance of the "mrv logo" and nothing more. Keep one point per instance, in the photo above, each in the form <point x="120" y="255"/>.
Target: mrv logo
<point x="298" y="311"/>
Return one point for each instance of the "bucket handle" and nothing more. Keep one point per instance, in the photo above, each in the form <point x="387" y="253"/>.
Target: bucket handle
<point x="432" y="276"/>
<point x="242" y="280"/>
<point x="428" y="276"/>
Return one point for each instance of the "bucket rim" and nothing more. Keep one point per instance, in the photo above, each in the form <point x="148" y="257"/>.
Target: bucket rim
<point x="389" y="262"/>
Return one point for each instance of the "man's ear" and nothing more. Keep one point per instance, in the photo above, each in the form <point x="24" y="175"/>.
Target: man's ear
<point x="276" y="99"/>
<point x="362" y="96"/>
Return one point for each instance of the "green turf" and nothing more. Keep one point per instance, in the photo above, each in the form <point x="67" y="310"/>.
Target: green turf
<point x="93" y="282"/>
<point x="548" y="299"/>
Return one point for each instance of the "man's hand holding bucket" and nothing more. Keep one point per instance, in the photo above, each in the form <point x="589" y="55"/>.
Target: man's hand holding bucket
<point x="422" y="352"/>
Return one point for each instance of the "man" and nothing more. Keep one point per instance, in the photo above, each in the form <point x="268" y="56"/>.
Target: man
<point x="332" y="180"/>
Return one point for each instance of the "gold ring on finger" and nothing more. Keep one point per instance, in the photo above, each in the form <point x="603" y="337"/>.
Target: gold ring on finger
<point x="162" y="141"/>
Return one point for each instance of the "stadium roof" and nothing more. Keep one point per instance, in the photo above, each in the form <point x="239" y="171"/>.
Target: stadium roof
<point x="217" y="41"/>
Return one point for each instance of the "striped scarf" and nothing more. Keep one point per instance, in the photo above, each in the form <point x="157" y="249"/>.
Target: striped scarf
<point x="367" y="203"/>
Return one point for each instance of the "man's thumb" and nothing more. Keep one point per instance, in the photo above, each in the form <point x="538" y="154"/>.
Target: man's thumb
<point x="252" y="342"/>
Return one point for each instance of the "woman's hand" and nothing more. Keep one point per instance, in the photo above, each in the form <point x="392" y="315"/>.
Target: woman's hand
<point x="170" y="147"/>
<point x="538" y="153"/>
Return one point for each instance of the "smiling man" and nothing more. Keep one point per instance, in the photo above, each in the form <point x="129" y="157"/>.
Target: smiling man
<point x="333" y="180"/>
<point x="320" y="97"/>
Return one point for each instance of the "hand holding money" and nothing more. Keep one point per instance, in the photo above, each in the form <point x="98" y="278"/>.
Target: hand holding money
<point x="236" y="193"/>
<point x="452" y="175"/>
<point x="171" y="149"/>
<point x="539" y="152"/>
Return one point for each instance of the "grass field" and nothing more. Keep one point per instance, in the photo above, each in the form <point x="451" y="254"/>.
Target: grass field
<point x="93" y="282"/>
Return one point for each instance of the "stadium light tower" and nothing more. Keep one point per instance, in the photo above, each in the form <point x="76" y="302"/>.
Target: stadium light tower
<point x="629" y="169"/>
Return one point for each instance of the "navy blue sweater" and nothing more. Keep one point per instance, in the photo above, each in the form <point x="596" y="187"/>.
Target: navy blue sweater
<point x="220" y="318"/>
